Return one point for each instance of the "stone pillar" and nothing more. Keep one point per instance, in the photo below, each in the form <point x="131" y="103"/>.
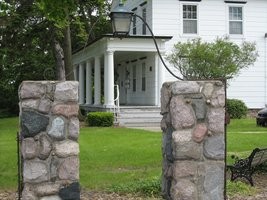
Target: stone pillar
<point x="97" y="82"/>
<point x="109" y="79"/>
<point x="81" y="83"/>
<point x="49" y="128"/>
<point x="88" y="83"/>
<point x="193" y="140"/>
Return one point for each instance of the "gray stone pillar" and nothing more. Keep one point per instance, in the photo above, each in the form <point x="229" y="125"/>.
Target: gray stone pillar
<point x="49" y="128"/>
<point x="193" y="140"/>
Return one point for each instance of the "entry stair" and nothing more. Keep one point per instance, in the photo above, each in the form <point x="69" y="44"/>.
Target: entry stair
<point x="139" y="116"/>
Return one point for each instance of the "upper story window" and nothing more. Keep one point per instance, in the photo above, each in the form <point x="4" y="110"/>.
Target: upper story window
<point x="134" y="21"/>
<point x="144" y="25"/>
<point x="190" y="19"/>
<point x="236" y="20"/>
<point x="134" y="24"/>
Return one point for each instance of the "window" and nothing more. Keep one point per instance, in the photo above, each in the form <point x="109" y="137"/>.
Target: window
<point x="190" y="19"/>
<point x="134" y="24"/>
<point x="143" y="76"/>
<point x="134" y="78"/>
<point x="235" y="20"/>
<point x="144" y="25"/>
<point x="134" y="20"/>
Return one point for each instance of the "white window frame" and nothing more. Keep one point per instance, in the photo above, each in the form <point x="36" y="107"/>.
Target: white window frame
<point x="182" y="18"/>
<point x="235" y="20"/>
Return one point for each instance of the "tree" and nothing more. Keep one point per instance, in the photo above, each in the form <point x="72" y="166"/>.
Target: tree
<point x="221" y="59"/>
<point x="32" y="41"/>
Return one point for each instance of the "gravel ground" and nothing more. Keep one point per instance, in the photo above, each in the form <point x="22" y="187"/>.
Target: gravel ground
<point x="260" y="182"/>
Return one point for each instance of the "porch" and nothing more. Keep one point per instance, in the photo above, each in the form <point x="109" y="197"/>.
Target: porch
<point x="147" y="117"/>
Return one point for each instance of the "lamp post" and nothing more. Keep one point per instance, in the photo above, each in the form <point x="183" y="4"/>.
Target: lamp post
<point x="121" y="19"/>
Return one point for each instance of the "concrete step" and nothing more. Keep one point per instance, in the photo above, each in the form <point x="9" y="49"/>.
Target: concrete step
<point x="147" y="116"/>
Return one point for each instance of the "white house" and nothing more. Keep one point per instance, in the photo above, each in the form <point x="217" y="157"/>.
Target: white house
<point x="133" y="64"/>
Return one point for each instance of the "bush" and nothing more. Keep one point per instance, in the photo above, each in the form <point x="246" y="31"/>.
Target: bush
<point x="103" y="119"/>
<point x="237" y="109"/>
<point x="146" y="187"/>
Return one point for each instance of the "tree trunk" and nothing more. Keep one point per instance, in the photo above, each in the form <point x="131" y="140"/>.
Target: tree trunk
<point x="59" y="55"/>
<point x="67" y="54"/>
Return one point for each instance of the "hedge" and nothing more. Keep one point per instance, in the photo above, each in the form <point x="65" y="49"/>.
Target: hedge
<point x="236" y="108"/>
<point x="102" y="119"/>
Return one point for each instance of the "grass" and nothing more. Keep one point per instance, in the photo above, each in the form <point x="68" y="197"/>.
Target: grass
<point x="8" y="152"/>
<point x="109" y="157"/>
<point x="113" y="156"/>
<point x="239" y="188"/>
<point x="243" y="136"/>
<point x="126" y="160"/>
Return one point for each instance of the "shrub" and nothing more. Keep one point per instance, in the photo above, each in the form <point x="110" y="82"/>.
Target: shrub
<point x="146" y="187"/>
<point x="237" y="109"/>
<point x="100" y="119"/>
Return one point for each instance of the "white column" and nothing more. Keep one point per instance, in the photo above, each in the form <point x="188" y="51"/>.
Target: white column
<point x="81" y="83"/>
<point x="88" y="82"/>
<point x="109" y="79"/>
<point x="160" y="77"/>
<point x="75" y="72"/>
<point x="265" y="70"/>
<point x="97" y="81"/>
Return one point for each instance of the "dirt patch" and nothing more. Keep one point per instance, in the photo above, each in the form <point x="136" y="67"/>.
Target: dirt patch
<point x="85" y="195"/>
<point x="260" y="182"/>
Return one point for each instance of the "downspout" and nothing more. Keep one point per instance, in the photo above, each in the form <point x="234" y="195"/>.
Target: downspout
<point x="265" y="70"/>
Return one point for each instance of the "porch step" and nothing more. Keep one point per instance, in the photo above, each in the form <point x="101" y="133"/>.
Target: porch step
<point x="144" y="116"/>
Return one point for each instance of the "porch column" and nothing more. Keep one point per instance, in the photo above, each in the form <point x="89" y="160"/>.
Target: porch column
<point x="75" y="72"/>
<point x="109" y="79"/>
<point x="81" y="83"/>
<point x="88" y="82"/>
<point x="160" y="77"/>
<point x="97" y="81"/>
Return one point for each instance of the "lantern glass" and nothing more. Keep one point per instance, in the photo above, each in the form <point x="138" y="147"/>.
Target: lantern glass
<point x="121" y="23"/>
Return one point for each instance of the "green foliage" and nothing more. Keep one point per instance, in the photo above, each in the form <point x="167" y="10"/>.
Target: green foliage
<point x="236" y="108"/>
<point x="239" y="188"/>
<point x="29" y="30"/>
<point x="221" y="59"/>
<point x="103" y="119"/>
<point x="146" y="187"/>
<point x="57" y="11"/>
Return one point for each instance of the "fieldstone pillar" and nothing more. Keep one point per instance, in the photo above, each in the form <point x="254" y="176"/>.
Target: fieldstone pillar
<point x="49" y="128"/>
<point x="193" y="140"/>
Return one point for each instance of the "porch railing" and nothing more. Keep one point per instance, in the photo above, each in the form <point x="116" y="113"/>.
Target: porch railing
<point x="116" y="103"/>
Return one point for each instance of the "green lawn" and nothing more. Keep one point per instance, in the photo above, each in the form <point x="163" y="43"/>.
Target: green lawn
<point x="111" y="156"/>
<point x="108" y="156"/>
<point x="115" y="156"/>
<point x="243" y="136"/>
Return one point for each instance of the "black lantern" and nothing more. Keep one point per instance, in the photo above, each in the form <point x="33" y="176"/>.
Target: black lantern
<point x="121" y="20"/>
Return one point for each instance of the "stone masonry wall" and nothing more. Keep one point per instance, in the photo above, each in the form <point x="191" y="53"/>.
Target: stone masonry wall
<point x="49" y="129"/>
<point x="193" y="140"/>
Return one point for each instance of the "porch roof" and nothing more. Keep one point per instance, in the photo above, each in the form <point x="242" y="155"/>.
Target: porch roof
<point x="133" y="43"/>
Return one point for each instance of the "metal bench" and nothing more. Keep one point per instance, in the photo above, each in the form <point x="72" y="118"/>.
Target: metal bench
<point x="245" y="168"/>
